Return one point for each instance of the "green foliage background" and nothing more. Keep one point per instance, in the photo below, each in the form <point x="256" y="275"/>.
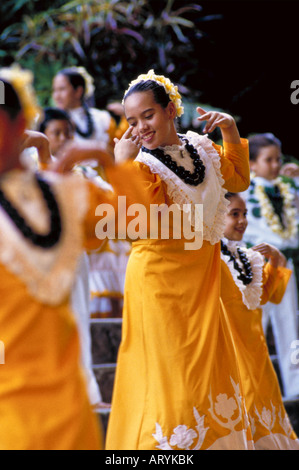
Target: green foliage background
<point x="114" y="40"/>
<point x="226" y="54"/>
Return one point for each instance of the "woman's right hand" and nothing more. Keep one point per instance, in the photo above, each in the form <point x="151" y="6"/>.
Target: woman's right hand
<point x="127" y="147"/>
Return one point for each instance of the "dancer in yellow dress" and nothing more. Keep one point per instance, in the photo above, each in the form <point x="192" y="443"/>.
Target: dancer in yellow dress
<point x="247" y="282"/>
<point x="46" y="220"/>
<point x="177" y="384"/>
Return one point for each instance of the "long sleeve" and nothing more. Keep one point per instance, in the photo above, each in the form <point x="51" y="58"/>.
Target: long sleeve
<point x="128" y="189"/>
<point x="275" y="281"/>
<point x="283" y="275"/>
<point x="235" y="165"/>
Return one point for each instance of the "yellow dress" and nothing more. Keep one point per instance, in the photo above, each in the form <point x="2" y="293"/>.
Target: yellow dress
<point x="177" y="384"/>
<point x="269" y="422"/>
<point x="43" y="397"/>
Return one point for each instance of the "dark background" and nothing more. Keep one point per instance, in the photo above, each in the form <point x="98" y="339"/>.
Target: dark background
<point x="250" y="58"/>
<point x="241" y="56"/>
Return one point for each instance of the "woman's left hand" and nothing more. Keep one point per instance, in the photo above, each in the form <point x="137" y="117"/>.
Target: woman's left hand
<point x="224" y="121"/>
<point x="215" y="119"/>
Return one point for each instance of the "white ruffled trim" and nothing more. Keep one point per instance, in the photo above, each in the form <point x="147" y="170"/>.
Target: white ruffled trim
<point x="215" y="232"/>
<point x="47" y="273"/>
<point x="251" y="293"/>
<point x="214" y="205"/>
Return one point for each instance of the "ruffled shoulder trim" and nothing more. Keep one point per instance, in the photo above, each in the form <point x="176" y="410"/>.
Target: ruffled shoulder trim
<point x="47" y="273"/>
<point x="215" y="232"/>
<point x="210" y="194"/>
<point x="252" y="293"/>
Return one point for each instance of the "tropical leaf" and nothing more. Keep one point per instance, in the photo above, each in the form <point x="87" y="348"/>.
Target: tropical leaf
<point x="136" y="35"/>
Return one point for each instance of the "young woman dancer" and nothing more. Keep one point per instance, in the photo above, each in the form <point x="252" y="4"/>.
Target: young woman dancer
<point x="177" y="384"/>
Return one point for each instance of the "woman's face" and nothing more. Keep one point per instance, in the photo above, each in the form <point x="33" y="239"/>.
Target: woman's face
<point x="151" y="122"/>
<point x="65" y="96"/>
<point x="236" y="219"/>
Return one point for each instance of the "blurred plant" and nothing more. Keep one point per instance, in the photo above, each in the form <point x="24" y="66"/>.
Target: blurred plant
<point x="114" y="40"/>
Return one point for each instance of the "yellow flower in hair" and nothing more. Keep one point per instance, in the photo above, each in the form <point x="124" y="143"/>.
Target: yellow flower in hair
<point x="89" y="86"/>
<point x="169" y="87"/>
<point x="22" y="81"/>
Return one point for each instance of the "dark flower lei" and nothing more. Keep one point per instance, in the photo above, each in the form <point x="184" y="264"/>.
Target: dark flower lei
<point x="90" y="124"/>
<point x="43" y="241"/>
<point x="246" y="277"/>
<point x="195" y="178"/>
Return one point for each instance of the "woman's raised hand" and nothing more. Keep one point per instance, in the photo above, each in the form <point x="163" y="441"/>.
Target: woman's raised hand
<point x="127" y="147"/>
<point x="224" y="121"/>
<point x="214" y="119"/>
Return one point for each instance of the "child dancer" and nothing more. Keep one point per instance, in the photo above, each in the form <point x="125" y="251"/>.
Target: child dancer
<point x="45" y="222"/>
<point x="57" y="126"/>
<point x="246" y="283"/>
<point x="177" y="384"/>
<point x="272" y="216"/>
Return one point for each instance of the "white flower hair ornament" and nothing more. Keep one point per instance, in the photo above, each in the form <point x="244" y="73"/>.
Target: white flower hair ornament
<point x="89" y="82"/>
<point x="22" y="81"/>
<point x="169" y="87"/>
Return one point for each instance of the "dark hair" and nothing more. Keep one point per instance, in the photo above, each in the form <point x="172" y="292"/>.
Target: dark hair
<point x="51" y="114"/>
<point x="12" y="105"/>
<point x="160" y="95"/>
<point x="230" y="195"/>
<point x="75" y="79"/>
<point x="258" y="141"/>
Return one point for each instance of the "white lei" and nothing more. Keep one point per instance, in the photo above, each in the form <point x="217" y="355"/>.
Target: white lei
<point x="288" y="214"/>
<point x="210" y="192"/>
<point x="251" y="293"/>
